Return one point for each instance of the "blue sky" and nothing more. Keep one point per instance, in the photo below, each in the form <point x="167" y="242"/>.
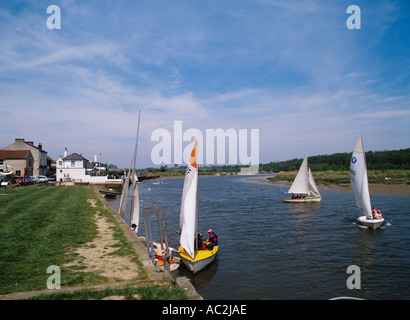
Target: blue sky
<point x="291" y="69"/>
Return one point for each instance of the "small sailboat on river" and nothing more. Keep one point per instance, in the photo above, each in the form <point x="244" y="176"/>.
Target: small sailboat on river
<point x="194" y="259"/>
<point x="303" y="188"/>
<point x="360" y="188"/>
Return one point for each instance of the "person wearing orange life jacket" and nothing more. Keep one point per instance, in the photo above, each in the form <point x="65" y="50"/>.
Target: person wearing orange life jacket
<point x="212" y="241"/>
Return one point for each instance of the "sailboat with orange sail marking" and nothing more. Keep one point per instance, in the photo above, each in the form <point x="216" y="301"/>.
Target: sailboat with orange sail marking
<point x="195" y="260"/>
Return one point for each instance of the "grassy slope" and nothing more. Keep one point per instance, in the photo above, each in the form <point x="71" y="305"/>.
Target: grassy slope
<point x="39" y="225"/>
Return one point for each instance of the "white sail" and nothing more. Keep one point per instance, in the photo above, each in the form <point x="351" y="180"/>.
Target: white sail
<point x="189" y="206"/>
<point x="301" y="183"/>
<point x="135" y="202"/>
<point x="135" y="207"/>
<point x="358" y="179"/>
<point x="313" y="190"/>
<point x="124" y="194"/>
<point x="134" y="213"/>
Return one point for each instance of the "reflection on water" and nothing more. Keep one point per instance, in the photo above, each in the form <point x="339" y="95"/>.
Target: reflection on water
<point x="274" y="250"/>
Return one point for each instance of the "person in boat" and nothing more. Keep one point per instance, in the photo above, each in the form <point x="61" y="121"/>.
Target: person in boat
<point x="201" y="244"/>
<point x="213" y="240"/>
<point x="376" y="213"/>
<point x="158" y="251"/>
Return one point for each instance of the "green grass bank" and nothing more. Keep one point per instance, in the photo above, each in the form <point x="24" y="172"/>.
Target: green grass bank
<point x="41" y="226"/>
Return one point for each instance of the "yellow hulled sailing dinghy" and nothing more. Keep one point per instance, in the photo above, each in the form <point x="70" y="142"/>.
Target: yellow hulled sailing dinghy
<point x="195" y="260"/>
<point x="303" y="188"/>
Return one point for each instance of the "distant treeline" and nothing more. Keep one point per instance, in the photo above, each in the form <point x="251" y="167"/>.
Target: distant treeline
<point x="376" y="160"/>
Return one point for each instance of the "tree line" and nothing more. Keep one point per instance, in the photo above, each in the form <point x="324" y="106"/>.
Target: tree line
<point x="376" y="160"/>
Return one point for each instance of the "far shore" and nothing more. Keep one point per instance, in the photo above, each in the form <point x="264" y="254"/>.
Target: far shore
<point x="383" y="188"/>
<point x="399" y="189"/>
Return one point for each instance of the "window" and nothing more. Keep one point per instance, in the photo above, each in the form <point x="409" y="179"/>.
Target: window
<point x="73" y="163"/>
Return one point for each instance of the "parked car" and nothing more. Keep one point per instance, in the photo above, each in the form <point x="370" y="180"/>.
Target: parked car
<point x="41" y="179"/>
<point x="33" y="179"/>
<point x="30" y="180"/>
<point x="20" y="180"/>
<point x="52" y="177"/>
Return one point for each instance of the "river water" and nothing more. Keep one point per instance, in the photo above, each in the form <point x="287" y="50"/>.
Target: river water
<point x="274" y="250"/>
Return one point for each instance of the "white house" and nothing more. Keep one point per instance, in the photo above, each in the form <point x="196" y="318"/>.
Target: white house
<point x="73" y="168"/>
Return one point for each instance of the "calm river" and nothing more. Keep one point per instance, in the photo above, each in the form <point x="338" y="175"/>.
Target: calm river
<point x="274" y="250"/>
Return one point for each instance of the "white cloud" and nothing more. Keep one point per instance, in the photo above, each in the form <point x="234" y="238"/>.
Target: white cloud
<point x="292" y="70"/>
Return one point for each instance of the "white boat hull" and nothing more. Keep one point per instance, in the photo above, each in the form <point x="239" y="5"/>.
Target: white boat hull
<point x="302" y="200"/>
<point x="173" y="264"/>
<point x="196" y="266"/>
<point x="372" y="224"/>
<point x="202" y="259"/>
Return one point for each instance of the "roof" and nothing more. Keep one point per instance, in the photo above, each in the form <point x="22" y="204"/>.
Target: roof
<point x="14" y="154"/>
<point x="31" y="144"/>
<point x="75" y="156"/>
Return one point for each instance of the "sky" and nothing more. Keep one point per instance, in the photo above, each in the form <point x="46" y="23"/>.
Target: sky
<point x="291" y="69"/>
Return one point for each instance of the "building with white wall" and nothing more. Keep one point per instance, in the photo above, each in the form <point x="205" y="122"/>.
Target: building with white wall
<point x="75" y="168"/>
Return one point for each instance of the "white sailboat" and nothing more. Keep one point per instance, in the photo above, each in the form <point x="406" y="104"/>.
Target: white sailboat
<point x="360" y="187"/>
<point x="135" y="195"/>
<point x="194" y="259"/>
<point x="303" y="188"/>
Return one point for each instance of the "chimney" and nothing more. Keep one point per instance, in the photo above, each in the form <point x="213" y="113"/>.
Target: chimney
<point x="40" y="146"/>
<point x="65" y="152"/>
